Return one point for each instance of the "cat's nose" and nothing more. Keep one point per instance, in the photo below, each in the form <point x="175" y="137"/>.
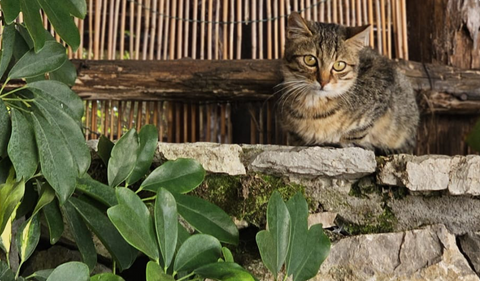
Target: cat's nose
<point x="323" y="82"/>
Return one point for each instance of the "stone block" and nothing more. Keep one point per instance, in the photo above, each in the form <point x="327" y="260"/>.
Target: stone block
<point x="349" y="163"/>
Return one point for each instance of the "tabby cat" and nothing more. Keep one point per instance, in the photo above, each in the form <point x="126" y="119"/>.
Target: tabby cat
<point x="338" y="92"/>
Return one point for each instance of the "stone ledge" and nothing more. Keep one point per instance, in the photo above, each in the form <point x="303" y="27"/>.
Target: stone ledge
<point x="460" y="175"/>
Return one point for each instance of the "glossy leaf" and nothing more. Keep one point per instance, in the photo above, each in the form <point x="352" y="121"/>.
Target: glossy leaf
<point x="227" y="254"/>
<point x="29" y="200"/>
<point x="60" y="96"/>
<point x="22" y="148"/>
<point x="10" y="195"/>
<point x="298" y="210"/>
<point x="5" y="128"/>
<point x="54" y="220"/>
<point x="66" y="74"/>
<point x="11" y="9"/>
<point x="68" y="132"/>
<point x="106" y="277"/>
<point x="120" y="250"/>
<point x="123" y="158"/>
<point x="21" y="46"/>
<point x="61" y="21"/>
<point x="198" y="250"/>
<point x="104" y="148"/>
<point x="34" y="23"/>
<point x="71" y="271"/>
<point x="55" y="158"/>
<point x="166" y="224"/>
<point x="6" y="235"/>
<point x="32" y="64"/>
<point x="77" y="8"/>
<point x="81" y="235"/>
<point x="97" y="190"/>
<point x="132" y="219"/>
<point x="47" y="194"/>
<point x="27" y="237"/>
<point x="148" y="138"/>
<point x="155" y="273"/>
<point x="207" y="218"/>
<point x="224" y="271"/>
<point x="273" y="244"/>
<point x="179" y="176"/>
<point x="316" y="251"/>
<point x="6" y="273"/>
<point x="8" y="42"/>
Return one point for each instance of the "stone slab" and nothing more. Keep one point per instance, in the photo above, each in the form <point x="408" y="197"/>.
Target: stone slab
<point x="425" y="254"/>
<point x="350" y="163"/>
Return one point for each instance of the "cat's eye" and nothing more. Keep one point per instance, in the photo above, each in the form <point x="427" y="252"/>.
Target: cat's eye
<point x="339" y="65"/>
<point x="310" y="60"/>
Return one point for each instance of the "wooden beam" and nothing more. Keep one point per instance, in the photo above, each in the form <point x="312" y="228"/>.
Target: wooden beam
<point x="440" y="88"/>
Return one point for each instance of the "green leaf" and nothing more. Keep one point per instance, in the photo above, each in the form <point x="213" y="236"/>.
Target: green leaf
<point x="273" y="244"/>
<point x="10" y="9"/>
<point x="71" y="271"/>
<point x="77" y="8"/>
<point x="55" y="158"/>
<point x="41" y="275"/>
<point x="224" y="271"/>
<point x="6" y="235"/>
<point x="32" y="64"/>
<point x="5" y="128"/>
<point x="97" y="190"/>
<point x="22" y="148"/>
<point x="207" y="218"/>
<point x="198" y="250"/>
<point x="227" y="254"/>
<point x="69" y="133"/>
<point x="61" y="21"/>
<point x="61" y="96"/>
<point x="120" y="250"/>
<point x="5" y="169"/>
<point x="66" y="74"/>
<point x="298" y="210"/>
<point x="81" y="235"/>
<point x="166" y="224"/>
<point x="27" y="237"/>
<point x="106" y="277"/>
<point x="132" y="219"/>
<point x="8" y="42"/>
<point x="148" y="138"/>
<point x="473" y="138"/>
<point x="179" y="176"/>
<point x="104" y="148"/>
<point x="6" y="273"/>
<point x="47" y="194"/>
<point x="123" y="158"/>
<point x="29" y="200"/>
<point x="54" y="220"/>
<point x="316" y="251"/>
<point x="155" y="273"/>
<point x="34" y="23"/>
<point x="10" y="195"/>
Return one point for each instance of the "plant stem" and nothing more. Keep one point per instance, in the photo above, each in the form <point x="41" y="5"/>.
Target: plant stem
<point x="149" y="198"/>
<point x="18" y="270"/>
<point x="187" y="276"/>
<point x="3" y="86"/>
<point x="138" y="190"/>
<point x="11" y="92"/>
<point x="16" y="107"/>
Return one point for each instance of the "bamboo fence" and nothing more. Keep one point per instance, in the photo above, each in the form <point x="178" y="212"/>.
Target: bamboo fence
<point x="213" y="30"/>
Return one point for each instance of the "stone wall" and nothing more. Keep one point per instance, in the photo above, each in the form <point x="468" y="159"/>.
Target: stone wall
<point x="400" y="217"/>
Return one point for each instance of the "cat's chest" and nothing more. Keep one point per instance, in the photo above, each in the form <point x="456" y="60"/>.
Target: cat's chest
<point x="321" y="128"/>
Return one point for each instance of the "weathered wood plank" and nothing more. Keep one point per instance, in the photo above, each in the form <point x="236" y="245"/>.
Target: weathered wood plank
<point x="441" y="88"/>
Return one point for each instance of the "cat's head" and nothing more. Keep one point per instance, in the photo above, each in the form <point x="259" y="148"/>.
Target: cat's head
<point x="321" y="57"/>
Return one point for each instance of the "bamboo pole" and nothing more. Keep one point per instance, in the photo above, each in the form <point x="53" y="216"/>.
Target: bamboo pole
<point x="180" y="30"/>
<point x="120" y="119"/>
<point x="210" y="30"/>
<point x="96" y="42"/>
<point x="146" y="29"/>
<point x="225" y="30"/>
<point x="104" y="28"/>
<point x="173" y="27"/>
<point x="112" y="120"/>
<point x="239" y="29"/>
<point x="254" y="29"/>
<point x="153" y="29"/>
<point x="87" y="113"/>
<point x="187" y="29"/>
<point x="275" y="29"/>
<point x="389" y="28"/>
<point x="167" y="30"/>
<point x="122" y="29"/>
<point x="111" y="31"/>
<point x="202" y="31"/>
<point x="384" y="27"/>
<point x="260" y="29"/>
<point x="282" y="27"/>
<point x="115" y="29"/>
<point x="232" y="29"/>
<point x="404" y="30"/>
<point x="161" y="20"/>
<point x="322" y="11"/>
<point x="194" y="32"/>
<point x="132" y="30"/>
<point x="370" y="21"/>
<point x="269" y="30"/>
<point x="194" y="122"/>
<point x="335" y="11"/>
<point x="379" y="27"/>
<point x="329" y="11"/>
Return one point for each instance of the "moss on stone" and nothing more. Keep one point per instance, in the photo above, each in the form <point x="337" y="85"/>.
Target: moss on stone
<point x="246" y="197"/>
<point x="384" y="223"/>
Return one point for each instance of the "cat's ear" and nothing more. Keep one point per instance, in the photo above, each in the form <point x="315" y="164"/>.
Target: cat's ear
<point x="297" y="27"/>
<point x="358" y="36"/>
